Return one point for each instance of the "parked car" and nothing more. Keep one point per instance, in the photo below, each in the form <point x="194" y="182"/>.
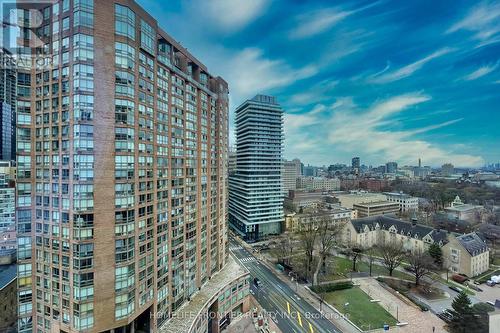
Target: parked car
<point x="490" y="283"/>
<point x="458" y="290"/>
<point x="446" y="316"/>
<point x="459" y="278"/>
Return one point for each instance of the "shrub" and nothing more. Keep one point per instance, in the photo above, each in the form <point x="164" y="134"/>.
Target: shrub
<point x="326" y="288"/>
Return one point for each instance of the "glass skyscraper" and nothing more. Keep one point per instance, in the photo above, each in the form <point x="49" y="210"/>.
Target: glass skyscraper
<point x="256" y="188"/>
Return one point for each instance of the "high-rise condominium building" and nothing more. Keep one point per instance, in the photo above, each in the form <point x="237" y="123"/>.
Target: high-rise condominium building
<point x="8" y="77"/>
<point x="7" y="196"/>
<point x="447" y="169"/>
<point x="122" y="172"/>
<point x="356" y="163"/>
<point x="391" y="167"/>
<point x="291" y="171"/>
<point x="256" y="189"/>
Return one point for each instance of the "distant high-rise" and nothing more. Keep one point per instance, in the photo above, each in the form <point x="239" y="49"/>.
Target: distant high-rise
<point x="231" y="163"/>
<point x="256" y="189"/>
<point x="298" y="166"/>
<point x="291" y="171"/>
<point x="419" y="162"/>
<point x="447" y="169"/>
<point x="391" y="167"/>
<point x="7" y="196"/>
<point x="310" y="171"/>
<point x="356" y="164"/>
<point x="8" y="78"/>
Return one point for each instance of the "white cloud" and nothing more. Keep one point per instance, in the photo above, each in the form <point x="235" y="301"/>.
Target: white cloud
<point x="249" y="72"/>
<point x="230" y="14"/>
<point x="386" y="76"/>
<point x="354" y="130"/>
<point x="483" y="20"/>
<point x="480" y="72"/>
<point x="321" y="20"/>
<point x="316" y="22"/>
<point x="294" y="122"/>
<point x="317" y="93"/>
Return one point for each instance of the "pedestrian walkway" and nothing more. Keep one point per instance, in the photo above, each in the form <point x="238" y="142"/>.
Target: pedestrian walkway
<point x="418" y="321"/>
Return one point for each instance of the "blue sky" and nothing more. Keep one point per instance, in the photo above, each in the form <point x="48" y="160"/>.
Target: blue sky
<point x="383" y="80"/>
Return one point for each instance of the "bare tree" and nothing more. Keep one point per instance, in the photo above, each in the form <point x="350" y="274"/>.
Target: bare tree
<point x="328" y="233"/>
<point x="284" y="248"/>
<point x="421" y="264"/>
<point x="354" y="254"/>
<point x="392" y="255"/>
<point x="308" y="234"/>
<point x="370" y="258"/>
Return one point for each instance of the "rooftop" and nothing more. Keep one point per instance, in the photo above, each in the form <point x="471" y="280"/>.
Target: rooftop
<point x="265" y="99"/>
<point x="473" y="243"/>
<point x="7" y="274"/>
<point x="377" y="204"/>
<point x="359" y="194"/>
<point x="185" y="316"/>
<point x="462" y="208"/>
<point x="402" y="227"/>
<point x="398" y="194"/>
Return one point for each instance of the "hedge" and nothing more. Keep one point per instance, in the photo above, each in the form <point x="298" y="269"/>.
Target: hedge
<point x="326" y="288"/>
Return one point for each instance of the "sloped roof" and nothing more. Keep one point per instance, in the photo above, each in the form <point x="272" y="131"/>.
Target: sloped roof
<point x="405" y="228"/>
<point x="7" y="274"/>
<point x="473" y="243"/>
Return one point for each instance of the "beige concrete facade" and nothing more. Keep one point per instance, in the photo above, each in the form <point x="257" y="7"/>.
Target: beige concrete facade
<point x="494" y="322"/>
<point x="318" y="183"/>
<point x="357" y="197"/>
<point x="463" y="259"/>
<point x="295" y="222"/>
<point x="376" y="208"/>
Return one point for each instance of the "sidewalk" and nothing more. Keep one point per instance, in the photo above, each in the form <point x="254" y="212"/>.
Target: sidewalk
<point x="418" y="321"/>
<point x="300" y="289"/>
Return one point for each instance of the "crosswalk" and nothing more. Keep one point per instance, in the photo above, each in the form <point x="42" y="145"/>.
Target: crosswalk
<point x="248" y="259"/>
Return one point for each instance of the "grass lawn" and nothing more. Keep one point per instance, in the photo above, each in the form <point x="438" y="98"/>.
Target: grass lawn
<point x="361" y="311"/>
<point x="342" y="269"/>
<point x="487" y="275"/>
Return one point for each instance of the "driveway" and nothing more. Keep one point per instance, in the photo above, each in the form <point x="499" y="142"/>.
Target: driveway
<point x="440" y="305"/>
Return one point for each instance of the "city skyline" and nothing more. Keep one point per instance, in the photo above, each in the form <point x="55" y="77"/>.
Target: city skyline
<point x="386" y="80"/>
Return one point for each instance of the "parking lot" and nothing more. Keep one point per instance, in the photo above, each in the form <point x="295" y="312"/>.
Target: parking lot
<point x="489" y="294"/>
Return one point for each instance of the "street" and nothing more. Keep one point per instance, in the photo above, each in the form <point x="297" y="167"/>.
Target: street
<point x="289" y="311"/>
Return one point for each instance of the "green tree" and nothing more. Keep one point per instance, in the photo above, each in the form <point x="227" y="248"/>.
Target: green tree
<point x="480" y="311"/>
<point x="436" y="253"/>
<point x="467" y="318"/>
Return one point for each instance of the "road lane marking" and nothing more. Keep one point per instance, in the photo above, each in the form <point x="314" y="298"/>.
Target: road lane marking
<point x="248" y="259"/>
<point x="299" y="318"/>
<point x="311" y="328"/>
<point x="288" y="306"/>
